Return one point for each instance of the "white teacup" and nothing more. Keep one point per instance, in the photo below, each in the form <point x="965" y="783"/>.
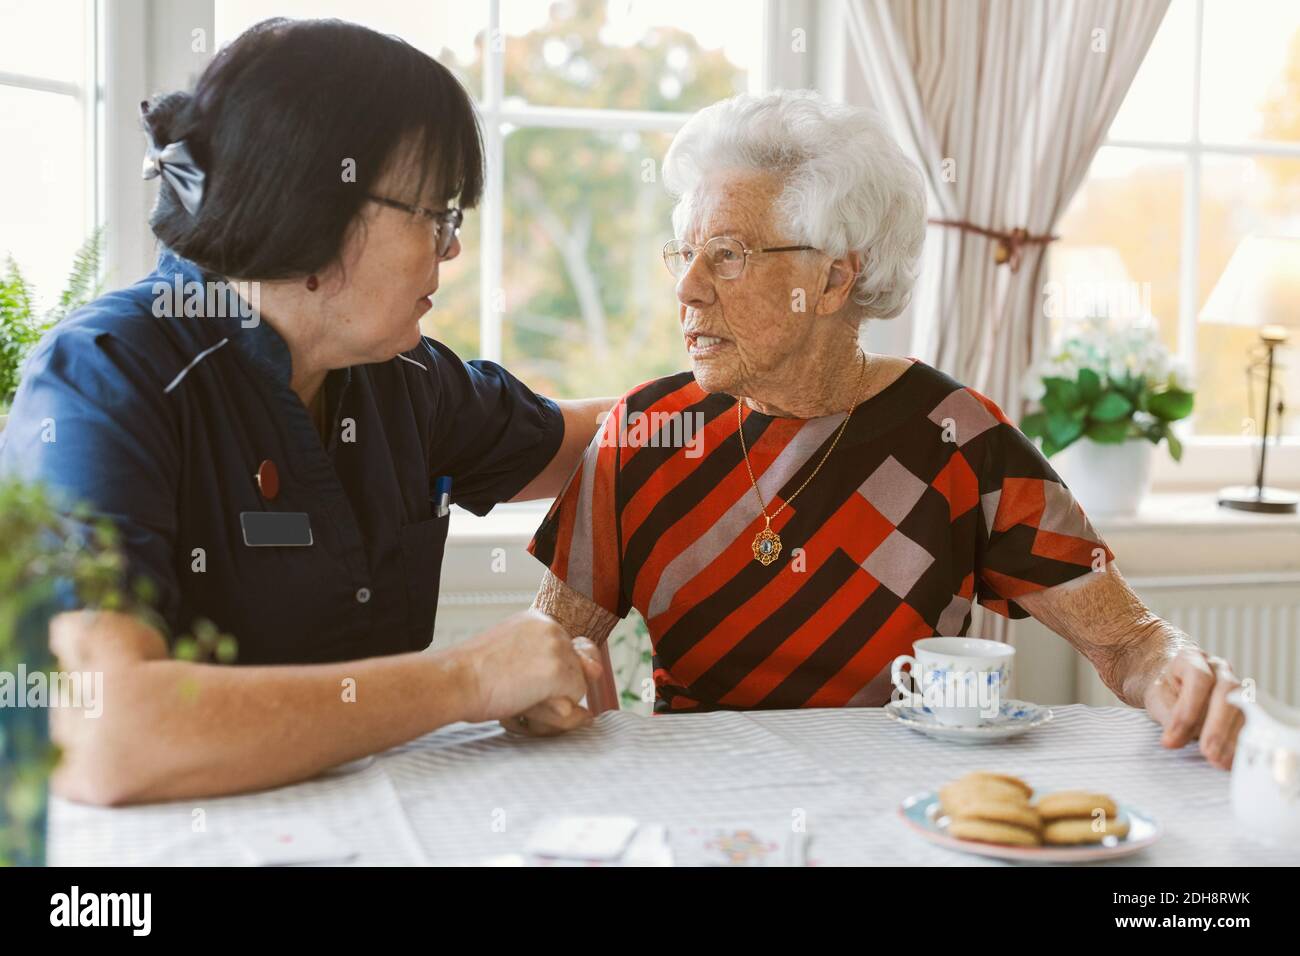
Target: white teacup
<point x="962" y="680"/>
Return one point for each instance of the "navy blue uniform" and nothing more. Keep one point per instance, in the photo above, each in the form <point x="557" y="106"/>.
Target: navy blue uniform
<point x="161" y="424"/>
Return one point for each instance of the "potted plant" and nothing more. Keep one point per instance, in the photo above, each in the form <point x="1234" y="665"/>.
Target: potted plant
<point x="22" y="324"/>
<point x="1107" y="394"/>
<point x="53" y="560"/>
<point x="49" y="560"/>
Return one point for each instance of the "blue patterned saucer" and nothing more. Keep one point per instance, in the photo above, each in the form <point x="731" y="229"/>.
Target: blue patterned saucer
<point x="1014" y="718"/>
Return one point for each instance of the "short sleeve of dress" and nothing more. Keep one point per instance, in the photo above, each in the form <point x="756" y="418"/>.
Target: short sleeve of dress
<point x="1033" y="533"/>
<point x="579" y="538"/>
<point x="494" y="433"/>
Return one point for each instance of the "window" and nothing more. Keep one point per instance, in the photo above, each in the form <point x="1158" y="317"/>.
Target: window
<point x="1204" y="151"/>
<point x="560" y="276"/>
<point x="47" y="126"/>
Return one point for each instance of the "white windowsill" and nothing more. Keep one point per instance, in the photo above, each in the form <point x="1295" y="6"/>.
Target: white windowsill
<point x="1191" y="512"/>
<point x="1211" y="463"/>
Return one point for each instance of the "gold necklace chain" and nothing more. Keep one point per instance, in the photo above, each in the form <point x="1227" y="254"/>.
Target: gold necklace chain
<point x="767" y="543"/>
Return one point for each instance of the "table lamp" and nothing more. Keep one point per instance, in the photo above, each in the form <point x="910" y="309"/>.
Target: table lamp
<point x="1260" y="288"/>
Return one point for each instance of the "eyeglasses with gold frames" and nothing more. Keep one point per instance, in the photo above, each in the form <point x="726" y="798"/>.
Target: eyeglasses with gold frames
<point x="726" y="256"/>
<point x="448" y="221"/>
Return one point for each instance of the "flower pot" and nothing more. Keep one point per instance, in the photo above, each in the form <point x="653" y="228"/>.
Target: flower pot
<point x="1106" y="479"/>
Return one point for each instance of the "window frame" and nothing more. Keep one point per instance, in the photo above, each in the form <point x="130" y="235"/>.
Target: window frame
<point x="133" y="55"/>
<point x="87" y="93"/>
<point x="138" y="58"/>
<point x="499" y="120"/>
<point x="1208" y="460"/>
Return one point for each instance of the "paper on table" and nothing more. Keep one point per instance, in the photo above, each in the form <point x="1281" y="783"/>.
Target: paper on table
<point x="475" y="794"/>
<point x="363" y="805"/>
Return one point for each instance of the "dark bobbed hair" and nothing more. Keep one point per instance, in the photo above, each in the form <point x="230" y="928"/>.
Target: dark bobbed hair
<point x="271" y="121"/>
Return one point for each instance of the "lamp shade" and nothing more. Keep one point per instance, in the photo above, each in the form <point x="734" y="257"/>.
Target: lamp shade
<point x="1260" y="287"/>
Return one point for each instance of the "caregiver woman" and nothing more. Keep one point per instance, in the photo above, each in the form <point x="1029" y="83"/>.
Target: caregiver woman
<point x="278" y="473"/>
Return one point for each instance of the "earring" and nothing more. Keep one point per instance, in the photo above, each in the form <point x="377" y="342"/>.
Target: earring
<point x="312" y="283"/>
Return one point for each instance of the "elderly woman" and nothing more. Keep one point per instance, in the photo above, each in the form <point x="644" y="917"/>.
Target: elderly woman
<point x="844" y="504"/>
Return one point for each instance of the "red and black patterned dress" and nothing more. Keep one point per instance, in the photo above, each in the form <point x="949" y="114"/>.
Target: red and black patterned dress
<point x="931" y="499"/>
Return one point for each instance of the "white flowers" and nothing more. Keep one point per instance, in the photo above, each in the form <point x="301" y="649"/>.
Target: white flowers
<point x="1116" y="352"/>
<point x="1033" y="388"/>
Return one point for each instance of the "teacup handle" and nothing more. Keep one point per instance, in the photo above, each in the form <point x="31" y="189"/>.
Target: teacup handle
<point x="896" y="672"/>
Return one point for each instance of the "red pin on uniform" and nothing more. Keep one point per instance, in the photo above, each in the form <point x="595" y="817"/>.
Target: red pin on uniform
<point x="268" y="480"/>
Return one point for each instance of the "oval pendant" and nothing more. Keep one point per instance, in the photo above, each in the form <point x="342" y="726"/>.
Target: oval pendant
<point x="767" y="545"/>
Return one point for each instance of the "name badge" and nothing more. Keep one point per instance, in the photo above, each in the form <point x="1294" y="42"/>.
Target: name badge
<point x="276" y="529"/>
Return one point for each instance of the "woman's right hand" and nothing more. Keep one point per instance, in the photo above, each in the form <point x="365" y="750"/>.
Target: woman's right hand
<point x="528" y="666"/>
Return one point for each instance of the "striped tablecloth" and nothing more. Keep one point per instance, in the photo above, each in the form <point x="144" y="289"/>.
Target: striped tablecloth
<point x="468" y="793"/>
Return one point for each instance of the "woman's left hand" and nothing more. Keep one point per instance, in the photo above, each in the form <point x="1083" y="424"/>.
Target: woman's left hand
<point x="1188" y="698"/>
<point x="1145" y="661"/>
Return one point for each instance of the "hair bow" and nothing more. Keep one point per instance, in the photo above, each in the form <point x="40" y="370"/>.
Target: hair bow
<point x="176" y="166"/>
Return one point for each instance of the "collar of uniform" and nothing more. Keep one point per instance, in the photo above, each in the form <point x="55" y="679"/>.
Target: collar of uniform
<point x="259" y="342"/>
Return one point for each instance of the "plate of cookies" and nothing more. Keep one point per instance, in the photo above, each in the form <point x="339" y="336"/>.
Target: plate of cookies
<point x="998" y="815"/>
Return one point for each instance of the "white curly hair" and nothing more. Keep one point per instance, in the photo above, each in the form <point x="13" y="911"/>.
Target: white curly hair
<point x="848" y="186"/>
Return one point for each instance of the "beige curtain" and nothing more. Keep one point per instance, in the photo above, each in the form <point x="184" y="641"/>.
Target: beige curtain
<point x="1003" y="103"/>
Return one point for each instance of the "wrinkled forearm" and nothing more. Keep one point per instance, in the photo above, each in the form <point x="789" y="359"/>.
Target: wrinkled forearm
<point x="1149" y="648"/>
<point x="1102" y="618"/>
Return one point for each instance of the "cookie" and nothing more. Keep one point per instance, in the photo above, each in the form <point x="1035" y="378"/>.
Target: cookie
<point x="1075" y="803"/>
<point x="979" y="776"/>
<point x="991" y="831"/>
<point x="1000" y="812"/>
<point x="1081" y="830"/>
<point x="954" y="796"/>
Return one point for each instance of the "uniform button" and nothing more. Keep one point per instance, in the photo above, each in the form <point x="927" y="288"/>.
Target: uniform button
<point x="363" y="595"/>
